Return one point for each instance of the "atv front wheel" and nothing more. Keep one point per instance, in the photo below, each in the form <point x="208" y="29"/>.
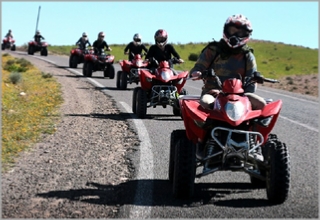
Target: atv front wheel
<point x="118" y="78"/>
<point x="84" y="69"/>
<point x="44" y="52"/>
<point x="13" y="48"/>
<point x="141" y="103"/>
<point x="175" y="135"/>
<point x="123" y="81"/>
<point x="278" y="174"/>
<point x="184" y="168"/>
<point x="73" y="61"/>
<point x="134" y="97"/>
<point x="30" y="50"/>
<point x="89" y="69"/>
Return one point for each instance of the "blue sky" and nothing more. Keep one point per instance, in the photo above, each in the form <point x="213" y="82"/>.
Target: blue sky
<point x="62" y="23"/>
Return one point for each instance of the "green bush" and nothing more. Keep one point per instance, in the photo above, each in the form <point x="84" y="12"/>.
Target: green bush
<point x="193" y="57"/>
<point x="15" y="77"/>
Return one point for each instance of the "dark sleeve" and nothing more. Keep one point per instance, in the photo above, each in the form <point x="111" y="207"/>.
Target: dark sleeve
<point x="150" y="52"/>
<point x="41" y="37"/>
<point x="173" y="51"/>
<point x="78" y="41"/>
<point x="106" y="44"/>
<point x="89" y="43"/>
<point x="127" y="47"/>
<point x="94" y="44"/>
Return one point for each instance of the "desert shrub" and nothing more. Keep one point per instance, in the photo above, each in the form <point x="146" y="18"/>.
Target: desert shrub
<point x="193" y="57"/>
<point x="15" y="77"/>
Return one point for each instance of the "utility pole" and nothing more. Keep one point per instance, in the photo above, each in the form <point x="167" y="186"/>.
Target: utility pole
<point x="38" y="19"/>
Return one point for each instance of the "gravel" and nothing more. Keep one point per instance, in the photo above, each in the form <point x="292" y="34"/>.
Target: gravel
<point x="73" y="173"/>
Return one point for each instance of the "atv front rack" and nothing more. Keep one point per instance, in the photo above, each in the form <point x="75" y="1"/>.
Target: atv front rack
<point x="163" y="95"/>
<point x="241" y="151"/>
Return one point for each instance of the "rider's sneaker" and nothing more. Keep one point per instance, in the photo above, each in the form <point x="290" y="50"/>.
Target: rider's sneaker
<point x="257" y="154"/>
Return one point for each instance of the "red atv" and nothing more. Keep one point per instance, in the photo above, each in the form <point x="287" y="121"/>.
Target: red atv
<point x="130" y="71"/>
<point x="8" y="43"/>
<point x="77" y="56"/>
<point x="159" y="87"/>
<point x="96" y="62"/>
<point x="34" y="46"/>
<point x="230" y="137"/>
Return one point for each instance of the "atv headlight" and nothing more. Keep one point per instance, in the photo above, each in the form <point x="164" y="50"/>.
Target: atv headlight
<point x="235" y="110"/>
<point x="139" y="63"/>
<point x="165" y="75"/>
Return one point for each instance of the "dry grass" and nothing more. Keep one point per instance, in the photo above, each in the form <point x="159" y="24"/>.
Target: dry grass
<point x="29" y="107"/>
<point x="303" y="84"/>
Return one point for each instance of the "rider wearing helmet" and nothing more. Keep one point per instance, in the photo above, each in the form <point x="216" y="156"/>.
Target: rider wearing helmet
<point x="37" y="37"/>
<point x="100" y="43"/>
<point x="161" y="50"/>
<point x="9" y="34"/>
<point x="83" y="41"/>
<point x="229" y="57"/>
<point x="135" y="47"/>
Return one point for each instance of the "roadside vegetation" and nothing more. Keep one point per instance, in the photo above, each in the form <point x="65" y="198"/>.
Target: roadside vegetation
<point x="30" y="101"/>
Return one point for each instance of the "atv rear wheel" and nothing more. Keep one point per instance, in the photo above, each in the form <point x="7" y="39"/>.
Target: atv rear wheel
<point x="184" y="168"/>
<point x="278" y="174"/>
<point x="141" y="103"/>
<point x="109" y="72"/>
<point x="174" y="138"/>
<point x="2" y="46"/>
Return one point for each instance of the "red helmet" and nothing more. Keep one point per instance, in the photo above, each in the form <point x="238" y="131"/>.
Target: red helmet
<point x="161" y="37"/>
<point x="237" y="30"/>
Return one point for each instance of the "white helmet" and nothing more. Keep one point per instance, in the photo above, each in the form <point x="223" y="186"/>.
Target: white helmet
<point x="84" y="36"/>
<point x="137" y="38"/>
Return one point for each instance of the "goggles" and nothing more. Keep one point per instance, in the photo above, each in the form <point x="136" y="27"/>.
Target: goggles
<point x="237" y="31"/>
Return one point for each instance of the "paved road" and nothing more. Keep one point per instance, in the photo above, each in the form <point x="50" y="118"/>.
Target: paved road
<point x="222" y="194"/>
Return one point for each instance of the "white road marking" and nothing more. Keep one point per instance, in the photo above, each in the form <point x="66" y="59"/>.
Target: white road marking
<point x="298" y="123"/>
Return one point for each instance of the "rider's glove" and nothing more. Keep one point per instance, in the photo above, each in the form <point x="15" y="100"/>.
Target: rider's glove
<point x="196" y="75"/>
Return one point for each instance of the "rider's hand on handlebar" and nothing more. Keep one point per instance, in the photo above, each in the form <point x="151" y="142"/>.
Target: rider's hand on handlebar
<point x="214" y="92"/>
<point x="126" y="53"/>
<point x="181" y="60"/>
<point x="146" y="61"/>
<point x="196" y="75"/>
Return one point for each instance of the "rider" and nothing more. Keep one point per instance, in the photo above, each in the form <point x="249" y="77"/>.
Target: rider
<point x="83" y="41"/>
<point x="37" y="37"/>
<point x="100" y="43"/>
<point x="135" y="47"/>
<point x="161" y="50"/>
<point x="228" y="57"/>
<point x="9" y="34"/>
